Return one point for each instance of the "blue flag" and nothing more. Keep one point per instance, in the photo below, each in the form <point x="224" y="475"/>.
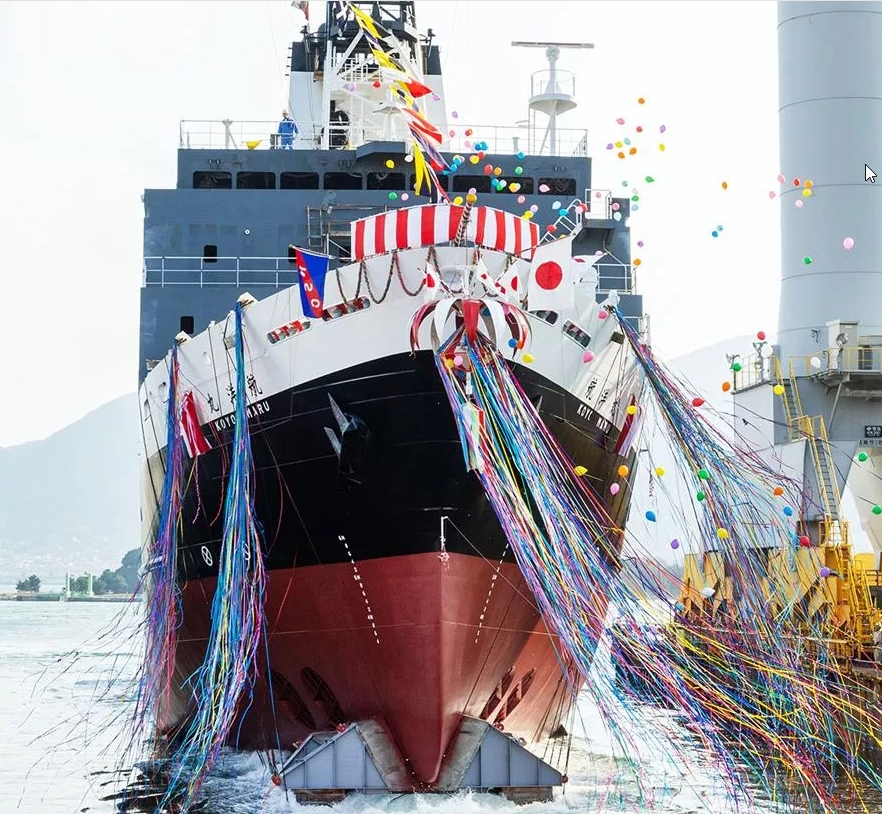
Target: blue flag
<point x="312" y="269"/>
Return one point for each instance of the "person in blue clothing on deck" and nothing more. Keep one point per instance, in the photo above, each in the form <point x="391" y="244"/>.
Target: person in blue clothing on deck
<point x="287" y="131"/>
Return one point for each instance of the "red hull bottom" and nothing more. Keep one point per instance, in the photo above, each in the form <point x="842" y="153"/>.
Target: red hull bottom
<point x="413" y="641"/>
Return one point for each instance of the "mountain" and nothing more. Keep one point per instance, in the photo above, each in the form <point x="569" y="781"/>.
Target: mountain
<point x="70" y="502"/>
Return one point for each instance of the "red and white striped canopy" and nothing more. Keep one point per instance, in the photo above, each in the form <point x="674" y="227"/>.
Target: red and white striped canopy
<point x="419" y="226"/>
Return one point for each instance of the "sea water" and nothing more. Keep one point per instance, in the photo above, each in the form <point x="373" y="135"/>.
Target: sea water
<point x="66" y="674"/>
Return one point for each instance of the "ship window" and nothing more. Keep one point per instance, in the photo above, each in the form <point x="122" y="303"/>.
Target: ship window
<point x="292" y="254"/>
<point x="575" y="333"/>
<point x="558" y="186"/>
<point x="385" y="180"/>
<point x="549" y="316"/>
<point x="212" y="179"/>
<point x="209" y="253"/>
<point x="343" y="180"/>
<point x="463" y="183"/>
<point x="299" y="180"/>
<point x="187" y="325"/>
<point x="255" y="180"/>
<point x="525" y="188"/>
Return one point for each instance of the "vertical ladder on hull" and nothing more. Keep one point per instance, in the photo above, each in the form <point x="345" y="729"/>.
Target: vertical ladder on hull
<point x="328" y="228"/>
<point x="814" y="431"/>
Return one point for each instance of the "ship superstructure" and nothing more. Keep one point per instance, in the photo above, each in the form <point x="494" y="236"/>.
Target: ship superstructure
<point x="394" y="600"/>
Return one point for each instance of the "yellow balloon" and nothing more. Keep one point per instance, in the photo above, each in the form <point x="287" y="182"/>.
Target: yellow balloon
<point x="619" y="144"/>
<point x="623" y="471"/>
<point x="659" y="470"/>
<point x="457" y="200"/>
<point x="778" y="390"/>
<point x="471" y="197"/>
<point x="661" y="147"/>
<point x="390" y="164"/>
<point x="497" y="170"/>
<point x="723" y="534"/>
<point x="474" y="159"/>
<point x="631" y="410"/>
<point x="527" y="215"/>
<point x="580" y="470"/>
<point x="806" y="193"/>
<point x="528" y="358"/>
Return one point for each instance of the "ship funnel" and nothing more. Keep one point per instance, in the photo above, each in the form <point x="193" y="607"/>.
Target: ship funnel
<point x="552" y="92"/>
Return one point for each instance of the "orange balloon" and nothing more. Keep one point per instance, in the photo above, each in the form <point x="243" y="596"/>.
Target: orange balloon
<point x="633" y="151"/>
<point x="727" y="386"/>
<point x="636" y="261"/>
<point x="725" y="185"/>
<point x="778" y="491"/>
<point x="623" y="471"/>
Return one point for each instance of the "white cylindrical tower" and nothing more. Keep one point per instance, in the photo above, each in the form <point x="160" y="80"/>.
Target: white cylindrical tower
<point x="830" y="115"/>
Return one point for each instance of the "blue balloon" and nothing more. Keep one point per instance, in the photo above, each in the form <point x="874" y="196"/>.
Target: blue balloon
<point x="650" y="516"/>
<point x="562" y="212"/>
<point x="512" y="343"/>
<point x="520" y="155"/>
<point x="788" y="511"/>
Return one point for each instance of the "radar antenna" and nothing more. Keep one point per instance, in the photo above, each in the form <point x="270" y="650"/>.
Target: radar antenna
<point x="552" y="91"/>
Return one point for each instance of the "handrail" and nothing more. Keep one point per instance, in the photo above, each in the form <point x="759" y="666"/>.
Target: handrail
<point x="229" y="134"/>
<point x="866" y="359"/>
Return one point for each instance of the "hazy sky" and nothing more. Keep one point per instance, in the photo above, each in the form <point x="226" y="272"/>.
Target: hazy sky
<point x="91" y="94"/>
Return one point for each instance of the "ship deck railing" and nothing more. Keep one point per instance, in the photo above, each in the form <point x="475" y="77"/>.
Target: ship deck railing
<point x="227" y="134"/>
<point x="281" y="272"/>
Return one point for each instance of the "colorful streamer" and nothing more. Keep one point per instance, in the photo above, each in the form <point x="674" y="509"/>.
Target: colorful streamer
<point x="229" y="669"/>
<point x="750" y="668"/>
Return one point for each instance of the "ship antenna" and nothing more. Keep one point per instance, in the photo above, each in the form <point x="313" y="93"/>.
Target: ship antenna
<point x="552" y="92"/>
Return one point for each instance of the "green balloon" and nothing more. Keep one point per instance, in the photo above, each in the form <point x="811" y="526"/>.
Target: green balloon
<point x="862" y="456"/>
<point x="877" y="509"/>
<point x="700" y="495"/>
<point x="736" y="366"/>
<point x="807" y="260"/>
<point x="635" y="198"/>
<point x="703" y="474"/>
<point x="650" y="179"/>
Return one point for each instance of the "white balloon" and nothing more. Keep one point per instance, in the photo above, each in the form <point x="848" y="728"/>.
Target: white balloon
<point x="815" y="362"/>
<point x="766" y="351"/>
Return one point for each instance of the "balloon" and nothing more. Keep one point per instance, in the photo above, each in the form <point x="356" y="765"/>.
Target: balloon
<point x="848" y="244"/>
<point x="621" y="155"/>
<point x="544" y="187"/>
<point x="778" y="390"/>
<point x="512" y="343"/>
<point x="534" y="208"/>
<point x="703" y="474"/>
<point x="649" y="179"/>
<point x="457" y="201"/>
<point x="563" y="212"/>
<point x="877" y="509"/>
<point x="639" y="129"/>
<point x="723" y="534"/>
<point x="528" y="358"/>
<point x="471" y="198"/>
<point x="697" y="402"/>
<point x="409" y="158"/>
<point x="390" y="163"/>
<point x="623" y="471"/>
<point x="727" y="386"/>
<point x="518" y="170"/>
<point x="556" y="205"/>
<point x="454" y="114"/>
<point x="796" y="182"/>
<point x="804" y="541"/>
<point x="699" y="495"/>
<point x="520" y="155"/>
<point x="815" y="362"/>
<point x="641" y="100"/>
<point x="640" y="243"/>
<point x="771" y="195"/>
<point x="393" y="196"/>
<point x="636" y="261"/>
<point x="736" y="367"/>
<point x="766" y="351"/>
<point x="788" y="512"/>
<point x="809" y="184"/>
<point x="457" y="360"/>
<point x="780" y="178"/>
<point x="675" y="544"/>
<point x="404" y="196"/>
<point x="580" y="470"/>
<point x="588" y="356"/>
<point x="661" y="147"/>
<point x="798" y="203"/>
<point x="650" y="516"/>
<point x="602" y="314"/>
<point x="527" y="215"/>
<point x="617" y="215"/>
<point x="659" y="470"/>
<point x="616" y="206"/>
<point x="807" y="260"/>
<point x="715" y="233"/>
<point x="620" y="121"/>
<point x="613" y="488"/>
<point x="632" y="151"/>
<point x="521" y="199"/>
<point x="631" y="409"/>
<point x="514" y="187"/>
<point x="778" y="491"/>
<point x="497" y="170"/>
<point x="806" y="193"/>
<point x="662" y="129"/>
<point x="725" y="185"/>
<point x="862" y="456"/>
<point x="474" y="159"/>
<point x="761" y="335"/>
<point x="825" y="572"/>
<point x="609" y="146"/>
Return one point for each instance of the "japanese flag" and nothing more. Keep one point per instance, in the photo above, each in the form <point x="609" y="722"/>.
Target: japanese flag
<point x="509" y="284"/>
<point x="433" y="285"/>
<point x="551" y="277"/>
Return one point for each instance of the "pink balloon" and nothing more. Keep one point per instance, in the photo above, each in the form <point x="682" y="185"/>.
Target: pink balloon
<point x="613" y="488"/>
<point x="771" y="195"/>
<point x="780" y="178"/>
<point x="848" y="244"/>
<point x="601" y="314"/>
<point x="588" y="356"/>
<point x="544" y="187"/>
<point x="521" y="199"/>
<point x="798" y="203"/>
